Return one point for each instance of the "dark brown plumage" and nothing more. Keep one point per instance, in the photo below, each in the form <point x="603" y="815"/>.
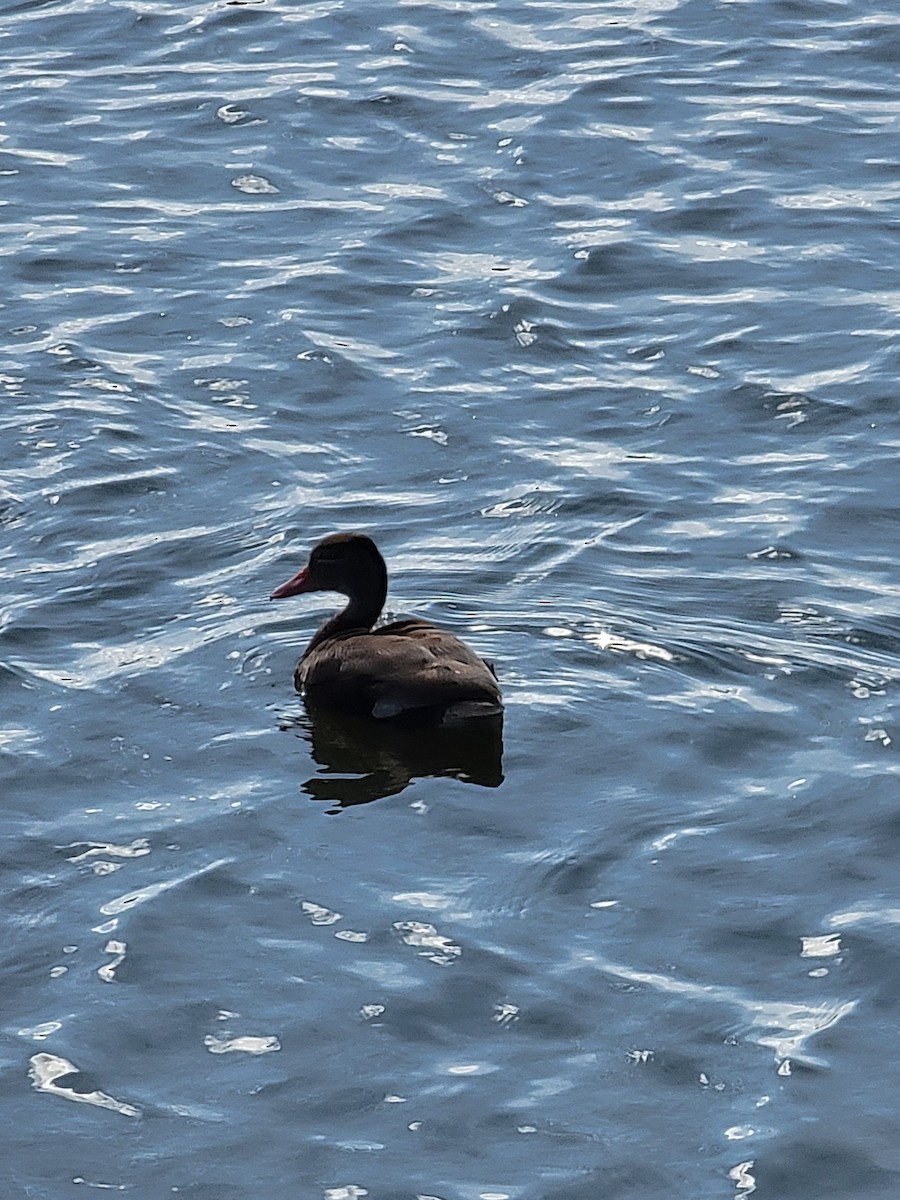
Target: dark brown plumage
<point x="407" y="671"/>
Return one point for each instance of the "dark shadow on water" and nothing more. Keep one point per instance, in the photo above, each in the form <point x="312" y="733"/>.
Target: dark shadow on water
<point x="364" y="760"/>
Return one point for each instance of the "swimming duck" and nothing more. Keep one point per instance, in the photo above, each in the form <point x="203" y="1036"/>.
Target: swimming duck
<point x="408" y="671"/>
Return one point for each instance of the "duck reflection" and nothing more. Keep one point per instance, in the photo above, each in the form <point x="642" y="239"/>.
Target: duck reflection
<point x="364" y="760"/>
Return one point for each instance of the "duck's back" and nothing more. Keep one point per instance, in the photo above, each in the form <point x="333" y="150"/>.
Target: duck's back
<point x="406" y="670"/>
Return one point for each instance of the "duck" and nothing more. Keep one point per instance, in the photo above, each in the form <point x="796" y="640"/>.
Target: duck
<point x="406" y="672"/>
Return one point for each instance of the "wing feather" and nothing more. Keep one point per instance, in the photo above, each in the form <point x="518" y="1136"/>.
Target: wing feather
<point x="400" y="667"/>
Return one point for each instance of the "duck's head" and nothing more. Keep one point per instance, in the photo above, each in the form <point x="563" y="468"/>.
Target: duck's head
<point x="349" y="563"/>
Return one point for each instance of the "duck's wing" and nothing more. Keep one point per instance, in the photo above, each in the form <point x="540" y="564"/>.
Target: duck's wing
<point x="408" y="666"/>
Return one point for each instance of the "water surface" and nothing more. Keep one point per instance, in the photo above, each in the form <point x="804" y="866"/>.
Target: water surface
<point x="589" y="315"/>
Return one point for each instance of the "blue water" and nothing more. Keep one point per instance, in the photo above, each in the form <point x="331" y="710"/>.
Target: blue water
<point x="590" y="315"/>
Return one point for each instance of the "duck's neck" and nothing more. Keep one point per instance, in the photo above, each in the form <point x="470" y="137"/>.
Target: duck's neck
<point x="361" y="613"/>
